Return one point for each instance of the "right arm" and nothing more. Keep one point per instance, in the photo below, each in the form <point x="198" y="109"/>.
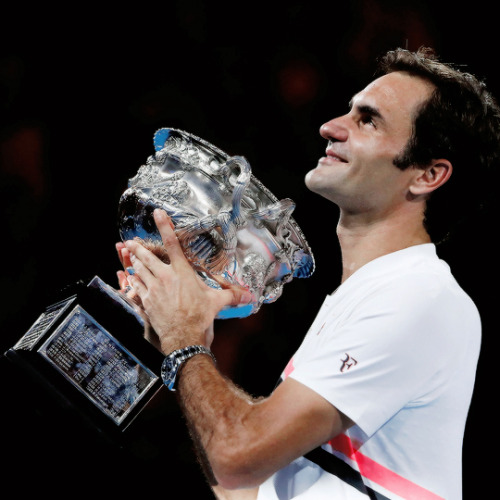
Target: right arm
<point x="244" y="440"/>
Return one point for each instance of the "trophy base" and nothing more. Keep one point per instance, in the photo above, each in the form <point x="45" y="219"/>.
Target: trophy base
<point x="86" y="355"/>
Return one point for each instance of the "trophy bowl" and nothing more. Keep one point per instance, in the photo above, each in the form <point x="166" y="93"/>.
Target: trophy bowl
<point x="232" y="229"/>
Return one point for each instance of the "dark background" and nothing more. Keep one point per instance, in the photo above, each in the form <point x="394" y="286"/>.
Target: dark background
<point x="81" y="94"/>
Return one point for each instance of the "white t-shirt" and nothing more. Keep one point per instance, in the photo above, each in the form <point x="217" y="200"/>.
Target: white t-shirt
<point x="395" y="348"/>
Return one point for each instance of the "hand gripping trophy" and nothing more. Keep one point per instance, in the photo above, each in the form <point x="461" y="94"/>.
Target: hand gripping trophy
<point x="89" y="347"/>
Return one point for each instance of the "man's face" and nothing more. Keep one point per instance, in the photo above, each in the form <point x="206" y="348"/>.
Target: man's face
<point x="357" y="172"/>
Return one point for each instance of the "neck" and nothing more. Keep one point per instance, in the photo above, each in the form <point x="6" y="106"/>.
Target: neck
<point x="364" y="241"/>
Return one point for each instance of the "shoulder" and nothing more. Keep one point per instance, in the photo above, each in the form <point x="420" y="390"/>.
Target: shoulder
<point x="413" y="277"/>
<point x="408" y="298"/>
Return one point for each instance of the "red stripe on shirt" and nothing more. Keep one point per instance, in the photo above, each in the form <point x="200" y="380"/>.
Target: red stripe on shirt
<point x="381" y="475"/>
<point x="289" y="368"/>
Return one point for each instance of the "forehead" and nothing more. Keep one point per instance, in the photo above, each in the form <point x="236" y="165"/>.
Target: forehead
<point x="395" y="95"/>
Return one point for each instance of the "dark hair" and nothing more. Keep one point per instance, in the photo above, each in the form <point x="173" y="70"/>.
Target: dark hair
<point x="460" y="122"/>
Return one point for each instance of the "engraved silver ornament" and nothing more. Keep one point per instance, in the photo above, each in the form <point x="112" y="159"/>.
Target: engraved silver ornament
<point x="227" y="222"/>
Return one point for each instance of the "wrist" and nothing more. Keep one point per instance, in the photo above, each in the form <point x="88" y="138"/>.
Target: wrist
<point x="173" y="363"/>
<point x="184" y="338"/>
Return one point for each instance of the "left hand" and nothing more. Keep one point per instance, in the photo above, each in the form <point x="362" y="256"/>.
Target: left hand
<point x="179" y="305"/>
<point x="124" y="256"/>
<point x="123" y="275"/>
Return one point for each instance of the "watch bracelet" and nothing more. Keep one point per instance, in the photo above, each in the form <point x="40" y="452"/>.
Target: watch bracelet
<point x="185" y="353"/>
<point x="192" y="350"/>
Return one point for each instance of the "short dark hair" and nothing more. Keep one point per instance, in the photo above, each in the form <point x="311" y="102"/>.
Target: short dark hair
<point x="459" y="122"/>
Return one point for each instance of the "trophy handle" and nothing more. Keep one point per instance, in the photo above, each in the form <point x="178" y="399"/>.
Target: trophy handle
<point x="194" y="235"/>
<point x="237" y="218"/>
<point x="279" y="212"/>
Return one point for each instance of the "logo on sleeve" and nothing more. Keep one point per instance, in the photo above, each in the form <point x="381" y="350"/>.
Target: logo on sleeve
<point x="347" y="363"/>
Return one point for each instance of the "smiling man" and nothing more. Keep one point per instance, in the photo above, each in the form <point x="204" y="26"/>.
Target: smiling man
<point x="358" y="172"/>
<point x="374" y="402"/>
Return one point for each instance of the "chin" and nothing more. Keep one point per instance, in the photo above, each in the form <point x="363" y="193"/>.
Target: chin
<point x="314" y="181"/>
<point x="309" y="180"/>
<point x="320" y="186"/>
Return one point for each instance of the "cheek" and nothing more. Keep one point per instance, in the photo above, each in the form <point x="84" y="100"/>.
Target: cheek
<point x="378" y="149"/>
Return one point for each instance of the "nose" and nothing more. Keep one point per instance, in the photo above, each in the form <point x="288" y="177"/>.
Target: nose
<point x="334" y="130"/>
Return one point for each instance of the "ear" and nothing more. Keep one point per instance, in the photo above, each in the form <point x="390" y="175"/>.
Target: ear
<point x="431" y="177"/>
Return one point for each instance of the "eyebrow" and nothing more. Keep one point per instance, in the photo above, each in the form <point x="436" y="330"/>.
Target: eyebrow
<point x="366" y="109"/>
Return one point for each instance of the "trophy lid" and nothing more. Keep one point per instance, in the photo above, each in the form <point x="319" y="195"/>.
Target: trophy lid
<point x="228" y="223"/>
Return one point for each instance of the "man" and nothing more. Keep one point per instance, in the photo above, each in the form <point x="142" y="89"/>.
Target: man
<point x="374" y="402"/>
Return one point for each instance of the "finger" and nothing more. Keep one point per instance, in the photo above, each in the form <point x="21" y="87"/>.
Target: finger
<point x="124" y="256"/>
<point x="169" y="238"/>
<point x="137" y="285"/>
<point x="145" y="264"/>
<point x="235" y="296"/>
<point x="222" y="282"/>
<point x="126" y="288"/>
<point x="126" y="261"/>
<point x="122" y="280"/>
<point x="119" y="247"/>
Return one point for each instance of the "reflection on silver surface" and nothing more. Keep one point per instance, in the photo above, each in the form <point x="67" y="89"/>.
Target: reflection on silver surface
<point x="227" y="222"/>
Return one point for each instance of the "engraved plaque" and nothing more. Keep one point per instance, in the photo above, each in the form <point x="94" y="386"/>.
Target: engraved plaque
<point x="98" y="365"/>
<point x="88" y="351"/>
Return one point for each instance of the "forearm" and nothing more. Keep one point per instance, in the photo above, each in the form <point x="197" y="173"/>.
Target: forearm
<point x="220" y="417"/>
<point x="246" y="440"/>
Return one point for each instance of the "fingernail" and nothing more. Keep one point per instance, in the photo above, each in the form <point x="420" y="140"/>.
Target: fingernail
<point x="246" y="298"/>
<point x="130" y="270"/>
<point x="162" y="215"/>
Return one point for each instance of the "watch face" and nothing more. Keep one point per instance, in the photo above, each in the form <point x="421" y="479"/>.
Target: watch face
<point x="174" y="360"/>
<point x="169" y="371"/>
<point x="170" y="364"/>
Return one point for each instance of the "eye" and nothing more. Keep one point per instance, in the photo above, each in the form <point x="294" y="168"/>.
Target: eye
<point x="367" y="119"/>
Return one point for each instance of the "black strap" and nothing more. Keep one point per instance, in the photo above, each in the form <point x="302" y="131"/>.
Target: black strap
<point x="334" y="465"/>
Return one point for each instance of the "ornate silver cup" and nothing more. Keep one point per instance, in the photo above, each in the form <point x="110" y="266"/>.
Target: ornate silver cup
<point x="227" y="222"/>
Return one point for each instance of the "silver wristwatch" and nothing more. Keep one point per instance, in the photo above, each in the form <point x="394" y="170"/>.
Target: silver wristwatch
<point x="172" y="363"/>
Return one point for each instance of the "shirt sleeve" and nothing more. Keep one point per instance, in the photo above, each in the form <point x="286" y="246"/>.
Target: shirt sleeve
<point x="392" y="348"/>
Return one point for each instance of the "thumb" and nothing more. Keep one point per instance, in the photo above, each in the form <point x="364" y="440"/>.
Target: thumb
<point x="232" y="295"/>
<point x="236" y="295"/>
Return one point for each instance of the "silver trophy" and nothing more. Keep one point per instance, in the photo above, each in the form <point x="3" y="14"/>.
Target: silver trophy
<point x="87" y="350"/>
<point x="229" y="225"/>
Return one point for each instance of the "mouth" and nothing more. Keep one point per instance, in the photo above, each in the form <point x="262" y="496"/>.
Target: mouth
<point x="335" y="156"/>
